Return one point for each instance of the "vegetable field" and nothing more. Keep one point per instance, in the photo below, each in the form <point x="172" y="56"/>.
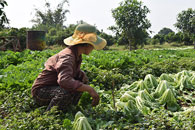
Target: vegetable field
<point x="142" y="89"/>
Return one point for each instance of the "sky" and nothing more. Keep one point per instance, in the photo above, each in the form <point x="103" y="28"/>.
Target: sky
<point x="162" y="14"/>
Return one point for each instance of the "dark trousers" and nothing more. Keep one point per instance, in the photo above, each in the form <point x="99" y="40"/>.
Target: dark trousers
<point x="56" y="96"/>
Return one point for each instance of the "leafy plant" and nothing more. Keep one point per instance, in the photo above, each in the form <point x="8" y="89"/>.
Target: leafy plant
<point x="80" y="122"/>
<point x="169" y="99"/>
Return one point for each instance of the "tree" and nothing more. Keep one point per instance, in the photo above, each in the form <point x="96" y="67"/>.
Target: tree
<point x="164" y="35"/>
<point x="154" y="41"/>
<point x="119" y="37"/>
<point x="170" y="37"/>
<point x="179" y="37"/>
<point x="187" y="39"/>
<point x="165" y="31"/>
<point x="57" y="36"/>
<point x="49" y="18"/>
<point x="186" y="23"/>
<point x="109" y="38"/>
<point x="3" y="17"/>
<point x="130" y="17"/>
<point x="159" y="37"/>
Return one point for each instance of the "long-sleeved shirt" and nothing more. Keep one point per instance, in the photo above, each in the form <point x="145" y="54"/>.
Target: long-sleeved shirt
<point x="62" y="69"/>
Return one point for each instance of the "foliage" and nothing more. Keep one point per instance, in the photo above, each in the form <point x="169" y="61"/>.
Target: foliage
<point x="80" y="122"/>
<point x="54" y="36"/>
<point x="46" y="20"/>
<point x="57" y="36"/>
<point x="169" y="99"/>
<point x="119" y="36"/>
<point x="185" y="35"/>
<point x="172" y="37"/>
<point x="109" y="38"/>
<point x="165" y="94"/>
<point x="162" y="119"/>
<point x="20" y="34"/>
<point x="165" y="31"/>
<point x="150" y="81"/>
<point x="158" y="38"/>
<point x="131" y="19"/>
<point x="18" y="70"/>
<point x="187" y="38"/>
<point x="186" y="22"/>
<point x="3" y="18"/>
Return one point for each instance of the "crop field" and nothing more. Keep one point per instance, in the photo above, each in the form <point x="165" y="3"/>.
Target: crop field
<point x="141" y="89"/>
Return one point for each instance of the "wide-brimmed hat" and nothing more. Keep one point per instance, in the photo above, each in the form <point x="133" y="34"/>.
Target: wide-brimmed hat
<point x="86" y="33"/>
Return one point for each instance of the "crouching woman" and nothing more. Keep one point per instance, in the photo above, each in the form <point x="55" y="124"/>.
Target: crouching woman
<point x="61" y="82"/>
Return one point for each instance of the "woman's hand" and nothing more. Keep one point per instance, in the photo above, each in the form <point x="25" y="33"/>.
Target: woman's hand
<point x="92" y="92"/>
<point x="95" y="97"/>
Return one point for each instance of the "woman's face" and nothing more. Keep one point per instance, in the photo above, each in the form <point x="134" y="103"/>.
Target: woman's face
<point x="88" y="49"/>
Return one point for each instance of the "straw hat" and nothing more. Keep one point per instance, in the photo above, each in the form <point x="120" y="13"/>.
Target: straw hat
<point x="85" y="33"/>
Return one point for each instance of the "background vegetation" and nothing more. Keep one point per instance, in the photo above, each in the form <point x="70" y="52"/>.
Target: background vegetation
<point x="131" y="29"/>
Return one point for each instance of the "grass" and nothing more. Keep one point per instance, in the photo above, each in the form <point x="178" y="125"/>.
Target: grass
<point x="167" y="46"/>
<point x="118" y="47"/>
<point x="56" y="47"/>
<point x="124" y="47"/>
<point x="157" y="46"/>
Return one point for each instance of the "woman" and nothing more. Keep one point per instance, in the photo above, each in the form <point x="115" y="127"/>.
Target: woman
<point x="61" y="83"/>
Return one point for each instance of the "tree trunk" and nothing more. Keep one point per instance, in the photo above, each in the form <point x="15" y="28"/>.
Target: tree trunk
<point x="130" y="47"/>
<point x="135" y="47"/>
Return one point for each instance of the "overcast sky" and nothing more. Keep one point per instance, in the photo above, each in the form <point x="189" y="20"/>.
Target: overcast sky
<point x="163" y="12"/>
